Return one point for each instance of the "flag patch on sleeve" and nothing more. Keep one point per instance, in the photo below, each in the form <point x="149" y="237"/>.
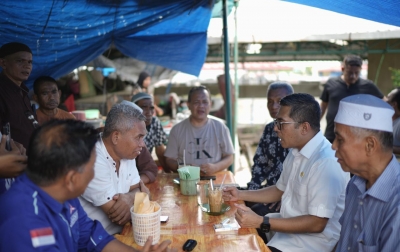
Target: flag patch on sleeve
<point x="42" y="236"/>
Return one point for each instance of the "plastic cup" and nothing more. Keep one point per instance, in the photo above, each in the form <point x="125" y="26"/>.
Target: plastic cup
<point x="145" y="225"/>
<point x="188" y="186"/>
<point x="215" y="200"/>
<point x="202" y="192"/>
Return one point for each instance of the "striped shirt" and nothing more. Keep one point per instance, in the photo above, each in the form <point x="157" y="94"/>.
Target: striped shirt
<point x="371" y="219"/>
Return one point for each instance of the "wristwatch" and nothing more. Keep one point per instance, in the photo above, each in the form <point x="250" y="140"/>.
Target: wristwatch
<point x="265" y="226"/>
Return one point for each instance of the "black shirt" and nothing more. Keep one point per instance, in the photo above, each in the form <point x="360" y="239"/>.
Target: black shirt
<point x="15" y="108"/>
<point x="335" y="90"/>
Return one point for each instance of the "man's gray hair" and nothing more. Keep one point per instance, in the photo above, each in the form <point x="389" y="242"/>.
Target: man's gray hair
<point x="280" y="85"/>
<point x="385" y="138"/>
<point x="122" y="117"/>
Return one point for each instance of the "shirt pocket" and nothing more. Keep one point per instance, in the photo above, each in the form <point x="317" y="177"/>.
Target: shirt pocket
<point x="366" y="244"/>
<point x="299" y="195"/>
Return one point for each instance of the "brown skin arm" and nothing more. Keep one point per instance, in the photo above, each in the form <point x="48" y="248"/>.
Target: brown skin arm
<point x="12" y="163"/>
<point x="118" y="209"/>
<point x="146" y="166"/>
<point x="171" y="164"/>
<point x="295" y="225"/>
<point x="324" y="106"/>
<point x="160" y="155"/>
<point x="268" y="194"/>
<point x="223" y="164"/>
<point x="116" y="245"/>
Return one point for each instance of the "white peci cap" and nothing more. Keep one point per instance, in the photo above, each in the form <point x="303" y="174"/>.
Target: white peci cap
<point x="365" y="111"/>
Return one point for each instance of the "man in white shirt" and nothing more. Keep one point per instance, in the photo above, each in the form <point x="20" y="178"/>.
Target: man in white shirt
<point x="312" y="184"/>
<point x="111" y="193"/>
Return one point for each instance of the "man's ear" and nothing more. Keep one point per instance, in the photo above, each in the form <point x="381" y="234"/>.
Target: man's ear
<point x="59" y="94"/>
<point x="305" y="127"/>
<point x="70" y="180"/>
<point x="371" y="145"/>
<point x="115" y="136"/>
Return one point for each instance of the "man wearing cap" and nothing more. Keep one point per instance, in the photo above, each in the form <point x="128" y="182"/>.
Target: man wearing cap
<point x="202" y="141"/>
<point x="15" y="106"/>
<point x="338" y="88"/>
<point x="156" y="137"/>
<point x="111" y="193"/>
<point x="363" y="144"/>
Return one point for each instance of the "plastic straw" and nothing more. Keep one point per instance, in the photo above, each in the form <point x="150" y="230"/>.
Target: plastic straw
<point x="211" y="184"/>
<point x="222" y="183"/>
<point x="184" y="159"/>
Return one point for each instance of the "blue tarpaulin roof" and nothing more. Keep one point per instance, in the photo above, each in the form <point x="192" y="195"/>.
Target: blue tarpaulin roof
<point x="66" y="34"/>
<point x="382" y="11"/>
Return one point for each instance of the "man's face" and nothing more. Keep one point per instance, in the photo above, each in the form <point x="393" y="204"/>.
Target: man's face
<point x="273" y="99"/>
<point x="200" y="105"/>
<point x="130" y="143"/>
<point x="48" y="96"/>
<point x="17" y="66"/>
<point x="85" y="176"/>
<point x="148" y="109"/>
<point x="351" y="74"/>
<point x="349" y="149"/>
<point x="290" y="132"/>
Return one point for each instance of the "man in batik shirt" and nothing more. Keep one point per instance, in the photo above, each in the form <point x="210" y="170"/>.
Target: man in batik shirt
<point x="156" y="137"/>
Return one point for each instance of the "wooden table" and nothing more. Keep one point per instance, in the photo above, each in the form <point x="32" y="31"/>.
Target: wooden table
<point x="188" y="221"/>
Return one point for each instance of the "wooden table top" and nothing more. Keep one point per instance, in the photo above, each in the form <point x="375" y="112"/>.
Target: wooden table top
<point x="188" y="221"/>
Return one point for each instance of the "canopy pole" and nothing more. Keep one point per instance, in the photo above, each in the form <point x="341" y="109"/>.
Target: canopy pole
<point x="228" y="104"/>
<point x="236" y="100"/>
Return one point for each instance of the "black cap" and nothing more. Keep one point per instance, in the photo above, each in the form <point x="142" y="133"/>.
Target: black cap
<point x="13" y="47"/>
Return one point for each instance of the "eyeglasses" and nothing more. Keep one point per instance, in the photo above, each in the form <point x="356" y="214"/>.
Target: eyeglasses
<point x="278" y="124"/>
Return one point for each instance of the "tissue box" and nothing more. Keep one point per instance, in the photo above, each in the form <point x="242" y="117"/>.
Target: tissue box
<point x="229" y="224"/>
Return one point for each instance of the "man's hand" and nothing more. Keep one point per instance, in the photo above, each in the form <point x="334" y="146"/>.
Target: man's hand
<point x="16" y="148"/>
<point x="12" y="165"/>
<point x="143" y="188"/>
<point x="120" y="212"/>
<point x="277" y="204"/>
<point x="19" y="146"/>
<point x="247" y="218"/>
<point x="230" y="193"/>
<point x="161" y="247"/>
<point x="208" y="168"/>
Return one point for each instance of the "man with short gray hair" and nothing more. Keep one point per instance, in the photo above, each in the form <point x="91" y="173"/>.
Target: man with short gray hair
<point x="363" y="144"/>
<point x="111" y="193"/>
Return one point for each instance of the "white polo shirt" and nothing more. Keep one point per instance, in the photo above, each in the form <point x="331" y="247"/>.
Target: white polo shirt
<point x="313" y="184"/>
<point x="105" y="184"/>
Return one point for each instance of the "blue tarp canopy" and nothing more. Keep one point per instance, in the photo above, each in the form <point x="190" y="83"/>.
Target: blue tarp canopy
<point x="382" y="11"/>
<point x="65" y="34"/>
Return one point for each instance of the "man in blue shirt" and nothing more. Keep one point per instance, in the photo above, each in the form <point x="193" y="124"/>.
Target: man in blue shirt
<point x="363" y="144"/>
<point x="40" y="211"/>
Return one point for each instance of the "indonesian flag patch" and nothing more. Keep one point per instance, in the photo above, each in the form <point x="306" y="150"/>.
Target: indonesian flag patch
<point x="42" y="236"/>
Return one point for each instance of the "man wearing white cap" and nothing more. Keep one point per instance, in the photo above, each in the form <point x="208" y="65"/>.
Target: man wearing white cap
<point x="363" y="144"/>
